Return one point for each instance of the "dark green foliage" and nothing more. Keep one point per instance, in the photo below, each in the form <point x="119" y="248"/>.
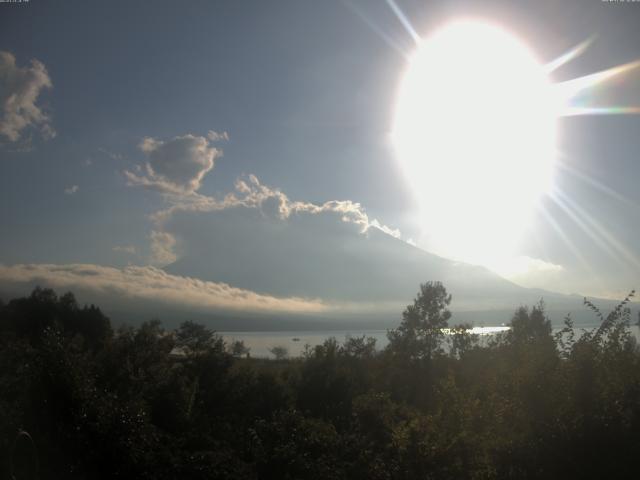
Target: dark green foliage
<point x="149" y="403"/>
<point x="462" y="342"/>
<point x="289" y="446"/>
<point x="279" y="352"/>
<point x="359" y="347"/>
<point x="239" y="349"/>
<point x="331" y="377"/>
<point x="529" y="328"/>
<point x="29" y="317"/>
<point x="420" y="335"/>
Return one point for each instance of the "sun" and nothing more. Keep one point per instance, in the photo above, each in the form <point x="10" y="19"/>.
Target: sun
<point x="475" y="133"/>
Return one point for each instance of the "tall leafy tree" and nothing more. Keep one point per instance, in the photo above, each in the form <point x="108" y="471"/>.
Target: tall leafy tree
<point x="420" y="334"/>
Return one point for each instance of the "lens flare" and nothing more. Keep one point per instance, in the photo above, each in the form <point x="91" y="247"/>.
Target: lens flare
<point x="475" y="133"/>
<point x="475" y="130"/>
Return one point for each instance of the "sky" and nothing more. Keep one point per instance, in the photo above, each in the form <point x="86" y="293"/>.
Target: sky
<point x="231" y="154"/>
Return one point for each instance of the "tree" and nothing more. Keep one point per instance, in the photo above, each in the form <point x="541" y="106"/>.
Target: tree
<point x="279" y="352"/>
<point x="359" y="347"/>
<point x="29" y="317"/>
<point x="196" y="339"/>
<point x="530" y="327"/>
<point x="238" y="349"/>
<point x="420" y="334"/>
<point x="462" y="341"/>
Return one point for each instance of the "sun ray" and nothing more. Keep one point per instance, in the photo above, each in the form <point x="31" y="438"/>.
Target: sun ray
<point x="597" y="184"/>
<point x="404" y="20"/>
<point x="565" y="238"/>
<point x="572" y="54"/>
<point x="571" y="88"/>
<point x="603" y="232"/>
<point x="575" y="111"/>
<point x="376" y="28"/>
<point x="598" y="233"/>
<point x="595" y="236"/>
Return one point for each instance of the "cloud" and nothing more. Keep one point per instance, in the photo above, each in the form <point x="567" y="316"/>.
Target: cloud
<point x="272" y="203"/>
<point x="19" y="91"/>
<point x="162" y="248"/>
<point x="71" y="190"/>
<point x="151" y="284"/>
<point x="532" y="272"/>
<point x="257" y="238"/>
<point x="524" y="265"/>
<point x="130" y="249"/>
<point x="394" y="232"/>
<point x="175" y="166"/>
<point x="110" y="154"/>
<point x="217" y="136"/>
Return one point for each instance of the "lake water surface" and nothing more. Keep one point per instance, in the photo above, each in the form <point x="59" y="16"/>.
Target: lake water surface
<point x="295" y="341"/>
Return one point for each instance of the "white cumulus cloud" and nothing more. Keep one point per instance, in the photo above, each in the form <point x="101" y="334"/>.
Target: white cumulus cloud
<point x="71" y="190"/>
<point x="175" y="166"/>
<point x="273" y="203"/>
<point x="20" y="88"/>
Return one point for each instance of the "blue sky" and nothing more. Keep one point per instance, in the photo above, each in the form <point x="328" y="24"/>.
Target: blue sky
<point x="305" y="92"/>
<point x="296" y="105"/>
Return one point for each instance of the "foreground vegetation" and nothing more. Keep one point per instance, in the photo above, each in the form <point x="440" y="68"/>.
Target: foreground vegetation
<point x="148" y="403"/>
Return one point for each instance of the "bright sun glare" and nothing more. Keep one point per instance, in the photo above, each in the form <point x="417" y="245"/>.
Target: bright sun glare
<point x="475" y="131"/>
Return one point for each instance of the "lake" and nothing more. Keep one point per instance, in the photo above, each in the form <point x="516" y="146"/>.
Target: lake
<point x="295" y="341"/>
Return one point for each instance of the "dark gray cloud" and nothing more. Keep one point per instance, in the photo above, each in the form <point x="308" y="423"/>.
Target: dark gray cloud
<point x="177" y="165"/>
